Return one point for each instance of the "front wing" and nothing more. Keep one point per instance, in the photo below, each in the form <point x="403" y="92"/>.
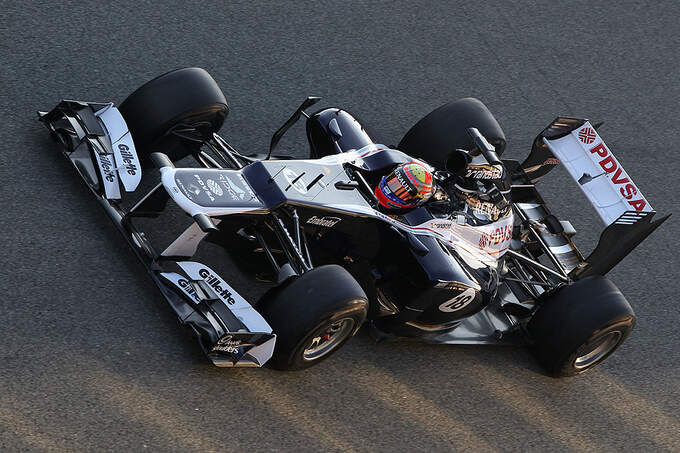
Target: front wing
<point x="96" y="141"/>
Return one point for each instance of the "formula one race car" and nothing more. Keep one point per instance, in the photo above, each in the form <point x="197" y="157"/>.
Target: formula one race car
<point x="436" y="238"/>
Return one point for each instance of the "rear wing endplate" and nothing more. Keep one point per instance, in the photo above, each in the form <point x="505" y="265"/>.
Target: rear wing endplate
<point x="617" y="241"/>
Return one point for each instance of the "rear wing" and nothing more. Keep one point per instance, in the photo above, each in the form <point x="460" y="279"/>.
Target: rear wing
<point x="623" y="208"/>
<point x="599" y="175"/>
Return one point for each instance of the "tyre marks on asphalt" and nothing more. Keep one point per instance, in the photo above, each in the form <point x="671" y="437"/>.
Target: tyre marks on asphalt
<point x="641" y="415"/>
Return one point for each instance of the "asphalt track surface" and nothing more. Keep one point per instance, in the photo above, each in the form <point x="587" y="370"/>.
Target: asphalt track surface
<point x="92" y="359"/>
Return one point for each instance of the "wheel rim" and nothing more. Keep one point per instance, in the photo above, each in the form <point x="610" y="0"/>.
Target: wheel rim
<point x="329" y="339"/>
<point x="591" y="353"/>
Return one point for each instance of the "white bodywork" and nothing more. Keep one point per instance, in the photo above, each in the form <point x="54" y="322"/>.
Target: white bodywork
<point x="480" y="245"/>
<point x="191" y="208"/>
<point x="600" y="176"/>
<point x="485" y="243"/>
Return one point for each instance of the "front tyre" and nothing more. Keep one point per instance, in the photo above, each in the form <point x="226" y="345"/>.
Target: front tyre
<point x="580" y="326"/>
<point x="313" y="315"/>
<point x="187" y="100"/>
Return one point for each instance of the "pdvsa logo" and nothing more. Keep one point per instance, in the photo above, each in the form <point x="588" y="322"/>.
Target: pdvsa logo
<point x="618" y="177"/>
<point x="203" y="185"/>
<point x="587" y="135"/>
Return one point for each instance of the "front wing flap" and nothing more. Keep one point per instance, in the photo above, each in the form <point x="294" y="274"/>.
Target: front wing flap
<point x="96" y="139"/>
<point x="242" y="349"/>
<point x="237" y="335"/>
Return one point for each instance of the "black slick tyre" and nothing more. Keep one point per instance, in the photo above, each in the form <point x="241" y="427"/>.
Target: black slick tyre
<point x="580" y="326"/>
<point x="187" y="98"/>
<point x="313" y="315"/>
<point x="444" y="130"/>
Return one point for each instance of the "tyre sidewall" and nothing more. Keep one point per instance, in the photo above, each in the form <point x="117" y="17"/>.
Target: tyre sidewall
<point x="573" y="316"/>
<point x="624" y="325"/>
<point x="302" y="305"/>
<point x="295" y="359"/>
<point x="188" y="95"/>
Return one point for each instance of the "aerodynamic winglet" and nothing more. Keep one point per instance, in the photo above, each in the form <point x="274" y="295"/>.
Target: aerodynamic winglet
<point x="617" y="241"/>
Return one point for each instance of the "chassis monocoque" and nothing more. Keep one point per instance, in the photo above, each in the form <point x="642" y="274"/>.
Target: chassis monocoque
<point x="312" y="230"/>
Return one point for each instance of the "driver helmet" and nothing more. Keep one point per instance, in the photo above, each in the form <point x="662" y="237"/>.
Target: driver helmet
<point x="407" y="186"/>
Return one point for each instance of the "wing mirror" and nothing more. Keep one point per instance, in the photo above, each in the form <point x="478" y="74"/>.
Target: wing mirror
<point x="484" y="147"/>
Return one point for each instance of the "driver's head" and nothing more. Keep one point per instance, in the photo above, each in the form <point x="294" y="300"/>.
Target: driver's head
<point x="407" y="186"/>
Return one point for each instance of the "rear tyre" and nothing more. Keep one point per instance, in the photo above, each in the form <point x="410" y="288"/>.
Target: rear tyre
<point x="313" y="315"/>
<point x="187" y="99"/>
<point x="444" y="130"/>
<point x="580" y="326"/>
